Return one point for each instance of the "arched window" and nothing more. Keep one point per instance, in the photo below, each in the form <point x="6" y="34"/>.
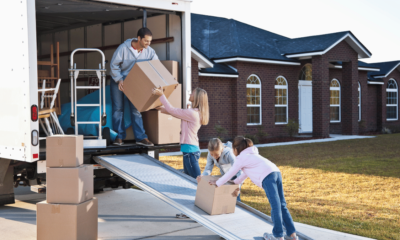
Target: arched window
<point x="359" y="101"/>
<point x="392" y="100"/>
<point x="335" y="100"/>
<point x="306" y="72"/>
<point x="281" y="100"/>
<point x="253" y="100"/>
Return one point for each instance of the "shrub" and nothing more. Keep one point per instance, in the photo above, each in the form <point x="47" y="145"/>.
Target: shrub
<point x="253" y="138"/>
<point x="221" y="131"/>
<point x="292" y="127"/>
<point x="261" y="135"/>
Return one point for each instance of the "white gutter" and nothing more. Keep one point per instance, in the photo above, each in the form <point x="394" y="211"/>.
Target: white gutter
<point x="361" y="68"/>
<point x="203" y="62"/>
<point x="376" y="83"/>
<point x="217" y="75"/>
<point x="253" y="60"/>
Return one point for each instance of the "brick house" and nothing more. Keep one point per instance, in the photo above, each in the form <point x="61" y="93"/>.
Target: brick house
<point x="259" y="78"/>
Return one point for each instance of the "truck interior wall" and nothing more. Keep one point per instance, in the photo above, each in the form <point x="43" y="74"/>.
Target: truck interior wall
<point x="104" y="34"/>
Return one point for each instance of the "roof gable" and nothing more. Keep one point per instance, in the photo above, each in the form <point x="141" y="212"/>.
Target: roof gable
<point x="386" y="68"/>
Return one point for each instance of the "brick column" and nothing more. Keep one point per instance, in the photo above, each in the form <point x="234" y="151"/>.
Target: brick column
<point x="195" y="74"/>
<point x="239" y="114"/>
<point x="381" y="106"/>
<point x="320" y="96"/>
<point x="349" y="98"/>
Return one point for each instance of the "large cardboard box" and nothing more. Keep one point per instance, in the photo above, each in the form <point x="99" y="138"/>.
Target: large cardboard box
<point x="172" y="67"/>
<point x="141" y="80"/>
<point x="161" y="128"/>
<point x="69" y="185"/>
<point x="64" y="151"/>
<point x="67" y="221"/>
<point x="176" y="96"/>
<point x="215" y="200"/>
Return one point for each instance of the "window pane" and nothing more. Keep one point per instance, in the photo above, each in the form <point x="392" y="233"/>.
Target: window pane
<point x="391" y="97"/>
<point x="284" y="100"/>
<point x="391" y="112"/>
<point x="257" y="92"/>
<point x="334" y="97"/>
<point x="253" y="115"/>
<point x="280" y="114"/>
<point x="334" y="113"/>
<point x="257" y="100"/>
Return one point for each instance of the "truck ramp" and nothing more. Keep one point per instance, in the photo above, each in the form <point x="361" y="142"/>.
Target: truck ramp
<point x="179" y="190"/>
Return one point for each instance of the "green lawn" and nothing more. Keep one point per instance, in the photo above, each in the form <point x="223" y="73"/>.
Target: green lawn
<point x="351" y="186"/>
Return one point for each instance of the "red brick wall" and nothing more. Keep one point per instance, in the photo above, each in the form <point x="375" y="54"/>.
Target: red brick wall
<point x="370" y="111"/>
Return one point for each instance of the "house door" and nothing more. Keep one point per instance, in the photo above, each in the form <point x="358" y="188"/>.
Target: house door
<point x="305" y="106"/>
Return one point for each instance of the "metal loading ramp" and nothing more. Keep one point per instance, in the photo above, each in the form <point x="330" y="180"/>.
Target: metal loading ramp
<point x="179" y="190"/>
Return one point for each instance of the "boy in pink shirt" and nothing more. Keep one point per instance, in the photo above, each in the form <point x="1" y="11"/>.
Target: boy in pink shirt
<point x="266" y="175"/>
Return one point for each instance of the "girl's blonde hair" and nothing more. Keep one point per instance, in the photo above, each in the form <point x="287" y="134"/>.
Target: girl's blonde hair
<point x="201" y="102"/>
<point x="215" y="145"/>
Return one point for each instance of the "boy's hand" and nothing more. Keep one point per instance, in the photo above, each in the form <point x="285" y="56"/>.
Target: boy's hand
<point x="198" y="179"/>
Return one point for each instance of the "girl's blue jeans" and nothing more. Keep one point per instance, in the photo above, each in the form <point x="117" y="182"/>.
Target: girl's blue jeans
<point x="191" y="164"/>
<point x="280" y="215"/>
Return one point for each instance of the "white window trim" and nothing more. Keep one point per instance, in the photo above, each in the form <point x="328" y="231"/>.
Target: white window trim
<point x="254" y="105"/>
<point x="287" y="100"/>
<point x="393" y="105"/>
<point x="340" y="101"/>
<point x="359" y="104"/>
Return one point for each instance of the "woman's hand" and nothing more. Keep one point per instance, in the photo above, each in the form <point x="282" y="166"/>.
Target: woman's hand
<point x="213" y="182"/>
<point x="198" y="179"/>
<point x="161" y="109"/>
<point x="157" y="91"/>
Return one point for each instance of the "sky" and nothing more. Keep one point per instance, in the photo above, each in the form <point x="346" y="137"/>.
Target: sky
<point x="375" y="23"/>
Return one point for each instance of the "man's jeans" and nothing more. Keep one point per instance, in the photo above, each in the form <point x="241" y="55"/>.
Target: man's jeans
<point x="118" y="123"/>
<point x="280" y="215"/>
<point x="191" y="164"/>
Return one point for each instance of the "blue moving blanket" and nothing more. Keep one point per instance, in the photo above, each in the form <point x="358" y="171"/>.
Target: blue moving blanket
<point x="92" y="114"/>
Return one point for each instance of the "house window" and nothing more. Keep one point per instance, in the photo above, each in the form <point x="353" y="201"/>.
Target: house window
<point x="359" y="102"/>
<point x="253" y="100"/>
<point x="281" y="100"/>
<point x="335" y="101"/>
<point x="391" y="100"/>
<point x="306" y="73"/>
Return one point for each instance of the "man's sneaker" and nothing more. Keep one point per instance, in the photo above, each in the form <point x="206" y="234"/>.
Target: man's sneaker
<point x="118" y="142"/>
<point x="268" y="236"/>
<point x="145" y="142"/>
<point x="291" y="238"/>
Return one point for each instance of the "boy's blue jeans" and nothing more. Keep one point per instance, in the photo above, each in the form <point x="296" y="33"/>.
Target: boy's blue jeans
<point x="191" y="164"/>
<point x="280" y="215"/>
<point x="118" y="123"/>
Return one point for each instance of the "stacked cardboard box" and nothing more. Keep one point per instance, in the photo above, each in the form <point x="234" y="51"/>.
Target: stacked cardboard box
<point x="70" y="210"/>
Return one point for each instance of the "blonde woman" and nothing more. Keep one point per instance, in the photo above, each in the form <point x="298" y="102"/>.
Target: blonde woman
<point x="192" y="119"/>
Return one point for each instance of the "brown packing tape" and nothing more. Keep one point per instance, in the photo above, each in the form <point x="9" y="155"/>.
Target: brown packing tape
<point x="55" y="209"/>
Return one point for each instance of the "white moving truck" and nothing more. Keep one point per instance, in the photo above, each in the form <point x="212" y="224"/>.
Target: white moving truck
<point x="32" y="26"/>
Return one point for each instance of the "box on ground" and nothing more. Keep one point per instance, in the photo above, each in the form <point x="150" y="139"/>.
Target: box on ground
<point x="69" y="185"/>
<point x="141" y="80"/>
<point x="67" y="221"/>
<point x="64" y="151"/>
<point x="215" y="200"/>
<point x="161" y="128"/>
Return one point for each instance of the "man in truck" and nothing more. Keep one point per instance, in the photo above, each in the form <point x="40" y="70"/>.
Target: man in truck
<point x="127" y="54"/>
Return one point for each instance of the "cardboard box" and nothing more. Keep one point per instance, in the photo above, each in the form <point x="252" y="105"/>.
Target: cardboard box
<point x="69" y="185"/>
<point x="141" y="80"/>
<point x="172" y="67"/>
<point x="161" y="128"/>
<point x="64" y="151"/>
<point x="67" y="221"/>
<point x="215" y="200"/>
<point x="176" y="96"/>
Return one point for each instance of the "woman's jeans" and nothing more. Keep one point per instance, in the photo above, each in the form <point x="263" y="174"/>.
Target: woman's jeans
<point x="117" y="100"/>
<point x="280" y="215"/>
<point x="191" y="164"/>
